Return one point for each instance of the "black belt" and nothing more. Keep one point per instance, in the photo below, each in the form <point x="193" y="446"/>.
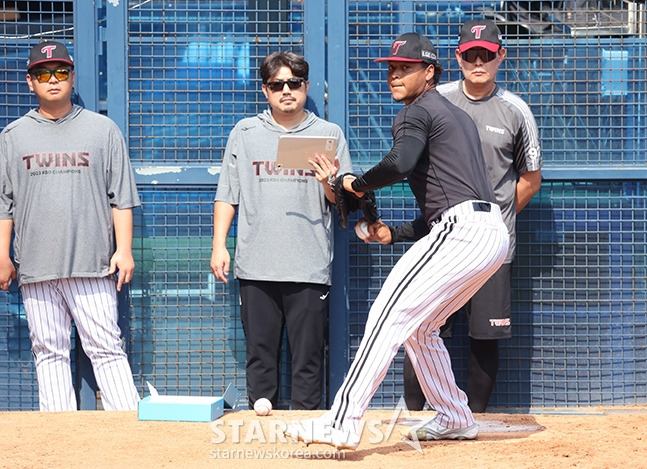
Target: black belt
<point x="482" y="206"/>
<point x="477" y="207"/>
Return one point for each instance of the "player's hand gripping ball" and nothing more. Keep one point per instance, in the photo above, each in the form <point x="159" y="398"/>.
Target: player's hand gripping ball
<point x="362" y="230"/>
<point x="263" y="407"/>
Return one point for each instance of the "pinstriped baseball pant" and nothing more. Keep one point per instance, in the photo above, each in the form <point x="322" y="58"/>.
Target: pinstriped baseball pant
<point x="50" y="307"/>
<point x="433" y="279"/>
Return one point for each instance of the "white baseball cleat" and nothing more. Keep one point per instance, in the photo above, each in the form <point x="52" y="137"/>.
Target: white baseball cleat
<point x="323" y="432"/>
<point x="432" y="430"/>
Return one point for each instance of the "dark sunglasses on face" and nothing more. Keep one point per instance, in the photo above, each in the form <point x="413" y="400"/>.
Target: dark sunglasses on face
<point x="43" y="76"/>
<point x="485" y="55"/>
<point x="293" y="84"/>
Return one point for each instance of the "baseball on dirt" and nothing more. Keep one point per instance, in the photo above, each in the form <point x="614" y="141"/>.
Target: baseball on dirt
<point x="362" y="230"/>
<point x="263" y="407"/>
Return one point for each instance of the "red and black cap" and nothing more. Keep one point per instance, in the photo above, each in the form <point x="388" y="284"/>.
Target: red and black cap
<point x="479" y="33"/>
<point x="411" y="47"/>
<point x="49" y="51"/>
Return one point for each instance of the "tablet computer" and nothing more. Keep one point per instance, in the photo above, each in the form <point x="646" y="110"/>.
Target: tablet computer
<point x="295" y="150"/>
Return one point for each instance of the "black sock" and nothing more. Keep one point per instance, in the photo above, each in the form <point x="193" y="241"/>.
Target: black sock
<point x="482" y="368"/>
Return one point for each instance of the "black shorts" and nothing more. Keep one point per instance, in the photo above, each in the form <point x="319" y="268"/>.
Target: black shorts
<point x="488" y="311"/>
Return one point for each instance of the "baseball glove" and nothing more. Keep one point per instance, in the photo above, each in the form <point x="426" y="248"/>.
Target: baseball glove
<point x="347" y="202"/>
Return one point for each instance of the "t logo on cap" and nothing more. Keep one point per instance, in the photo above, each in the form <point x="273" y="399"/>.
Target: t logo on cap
<point x="47" y="50"/>
<point x="476" y="30"/>
<point x="397" y="45"/>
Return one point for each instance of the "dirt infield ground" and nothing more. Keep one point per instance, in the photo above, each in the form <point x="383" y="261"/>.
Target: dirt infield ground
<point x="594" y="438"/>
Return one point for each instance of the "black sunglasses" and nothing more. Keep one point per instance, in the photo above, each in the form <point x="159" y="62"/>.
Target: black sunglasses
<point x="43" y="76"/>
<point x="293" y="84"/>
<point x="485" y="55"/>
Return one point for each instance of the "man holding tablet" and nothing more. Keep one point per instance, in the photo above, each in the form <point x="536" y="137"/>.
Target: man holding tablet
<point x="284" y="247"/>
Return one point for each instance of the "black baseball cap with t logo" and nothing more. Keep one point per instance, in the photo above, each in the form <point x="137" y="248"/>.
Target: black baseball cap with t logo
<point x="479" y="33"/>
<point x="411" y="47"/>
<point x="49" y="51"/>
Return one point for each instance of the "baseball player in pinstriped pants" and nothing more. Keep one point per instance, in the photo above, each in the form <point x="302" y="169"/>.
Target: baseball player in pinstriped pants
<point x="50" y="307"/>
<point x="512" y="151"/>
<point x="436" y="147"/>
<point x="67" y="191"/>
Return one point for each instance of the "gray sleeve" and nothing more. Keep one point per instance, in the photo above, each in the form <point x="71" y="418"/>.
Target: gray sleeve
<point x="6" y="189"/>
<point x="345" y="164"/>
<point x="527" y="151"/>
<point x="122" y="190"/>
<point x="228" y="183"/>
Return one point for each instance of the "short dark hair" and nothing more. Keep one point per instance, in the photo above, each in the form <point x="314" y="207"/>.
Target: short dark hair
<point x="438" y="71"/>
<point x="272" y="64"/>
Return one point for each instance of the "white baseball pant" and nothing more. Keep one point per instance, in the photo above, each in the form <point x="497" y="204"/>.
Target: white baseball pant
<point x="432" y="280"/>
<point x="50" y="307"/>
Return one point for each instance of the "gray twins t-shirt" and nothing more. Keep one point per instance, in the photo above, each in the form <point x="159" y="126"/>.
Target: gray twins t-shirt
<point x="59" y="181"/>
<point x="285" y="229"/>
